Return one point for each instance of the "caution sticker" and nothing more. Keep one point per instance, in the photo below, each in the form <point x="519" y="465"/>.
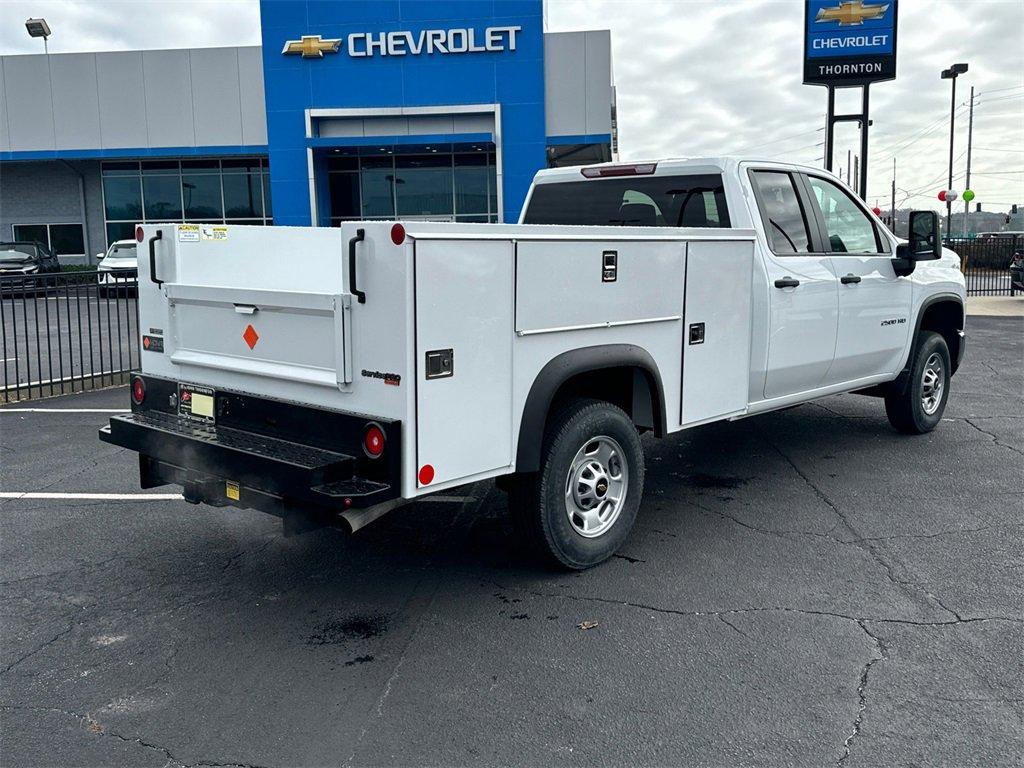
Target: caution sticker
<point x="232" y="491"/>
<point x="188" y="233"/>
<point x="214" y="232"/>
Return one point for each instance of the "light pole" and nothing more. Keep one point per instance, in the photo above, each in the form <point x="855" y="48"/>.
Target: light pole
<point x="39" y="28"/>
<point x="951" y="74"/>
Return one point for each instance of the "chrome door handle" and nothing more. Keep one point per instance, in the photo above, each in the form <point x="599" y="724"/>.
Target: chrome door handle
<point x="847" y="279"/>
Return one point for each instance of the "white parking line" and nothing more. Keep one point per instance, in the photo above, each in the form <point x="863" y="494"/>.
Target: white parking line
<point x="93" y="496"/>
<point x="65" y="410"/>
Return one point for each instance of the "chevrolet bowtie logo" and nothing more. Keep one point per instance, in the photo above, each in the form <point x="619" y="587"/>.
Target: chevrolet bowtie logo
<point x="849" y="13"/>
<point x="311" y="46"/>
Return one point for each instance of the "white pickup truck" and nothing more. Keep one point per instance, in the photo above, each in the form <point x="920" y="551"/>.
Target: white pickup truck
<point x="329" y="374"/>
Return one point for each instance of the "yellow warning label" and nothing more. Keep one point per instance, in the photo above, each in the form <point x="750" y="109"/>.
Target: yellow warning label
<point x="231" y="490"/>
<point x="214" y="232"/>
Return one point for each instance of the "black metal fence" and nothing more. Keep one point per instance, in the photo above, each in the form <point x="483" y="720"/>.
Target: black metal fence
<point x="985" y="262"/>
<point x="67" y="332"/>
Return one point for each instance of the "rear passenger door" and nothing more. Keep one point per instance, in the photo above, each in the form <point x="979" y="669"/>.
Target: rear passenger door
<point x="801" y="283"/>
<point x="874" y="303"/>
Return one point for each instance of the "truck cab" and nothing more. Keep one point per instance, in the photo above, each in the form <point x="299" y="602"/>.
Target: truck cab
<point x="407" y="358"/>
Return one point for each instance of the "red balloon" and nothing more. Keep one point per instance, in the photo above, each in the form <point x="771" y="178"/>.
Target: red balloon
<point x="877" y="211"/>
<point x="942" y="195"/>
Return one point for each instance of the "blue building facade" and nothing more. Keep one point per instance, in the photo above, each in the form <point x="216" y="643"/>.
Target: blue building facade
<point x="428" y="61"/>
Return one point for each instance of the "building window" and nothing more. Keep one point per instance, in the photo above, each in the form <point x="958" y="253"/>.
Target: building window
<point x="61" y="239"/>
<point x="439" y="182"/>
<point x="228" y="191"/>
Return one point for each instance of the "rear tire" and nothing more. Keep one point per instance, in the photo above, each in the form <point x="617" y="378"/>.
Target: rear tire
<point x="580" y="507"/>
<point x="919" y="408"/>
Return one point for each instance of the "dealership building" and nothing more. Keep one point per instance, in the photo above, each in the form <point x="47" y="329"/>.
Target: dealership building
<point x="410" y="109"/>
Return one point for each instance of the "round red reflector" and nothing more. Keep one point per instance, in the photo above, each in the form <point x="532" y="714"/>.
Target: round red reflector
<point x="877" y="211"/>
<point x="398" y="234"/>
<point x="373" y="441"/>
<point x="426" y="474"/>
<point x="138" y="390"/>
<point x="139" y="234"/>
<point x="942" y="195"/>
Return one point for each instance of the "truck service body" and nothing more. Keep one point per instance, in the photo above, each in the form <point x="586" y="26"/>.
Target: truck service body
<point x="329" y="373"/>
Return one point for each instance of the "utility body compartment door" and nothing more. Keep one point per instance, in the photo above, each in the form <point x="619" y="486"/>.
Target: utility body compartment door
<point x="464" y="296"/>
<point x="716" y="331"/>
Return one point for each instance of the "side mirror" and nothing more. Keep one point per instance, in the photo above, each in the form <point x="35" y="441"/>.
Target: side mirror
<point x="924" y="237"/>
<point x="99" y="256"/>
<point x="924" y="242"/>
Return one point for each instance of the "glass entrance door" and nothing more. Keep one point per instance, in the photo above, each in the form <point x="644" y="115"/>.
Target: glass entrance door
<point x="446" y="182"/>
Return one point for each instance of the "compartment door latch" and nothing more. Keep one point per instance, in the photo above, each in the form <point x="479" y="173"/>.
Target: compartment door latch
<point x="609" y="266"/>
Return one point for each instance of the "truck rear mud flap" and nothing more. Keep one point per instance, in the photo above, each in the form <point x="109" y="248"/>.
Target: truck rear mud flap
<point x="223" y="465"/>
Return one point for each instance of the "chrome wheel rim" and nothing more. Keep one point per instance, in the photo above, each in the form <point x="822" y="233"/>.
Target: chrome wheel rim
<point x="932" y="384"/>
<point x="595" y="487"/>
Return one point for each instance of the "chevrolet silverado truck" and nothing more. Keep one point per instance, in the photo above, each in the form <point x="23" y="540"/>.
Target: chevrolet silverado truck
<point x="327" y="375"/>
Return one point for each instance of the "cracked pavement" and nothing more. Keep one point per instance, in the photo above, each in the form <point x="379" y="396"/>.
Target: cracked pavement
<point x="805" y="588"/>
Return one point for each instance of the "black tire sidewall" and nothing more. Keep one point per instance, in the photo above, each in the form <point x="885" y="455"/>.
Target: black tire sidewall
<point x="930" y="343"/>
<point x="577" y="426"/>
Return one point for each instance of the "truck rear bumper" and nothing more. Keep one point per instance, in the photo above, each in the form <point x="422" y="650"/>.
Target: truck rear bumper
<point x="230" y="462"/>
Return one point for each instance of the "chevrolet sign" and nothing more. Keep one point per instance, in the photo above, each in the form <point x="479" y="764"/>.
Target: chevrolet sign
<point x="849" y="42"/>
<point x="408" y="43"/>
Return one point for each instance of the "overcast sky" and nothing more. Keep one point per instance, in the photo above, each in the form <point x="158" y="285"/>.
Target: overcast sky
<point x="702" y="77"/>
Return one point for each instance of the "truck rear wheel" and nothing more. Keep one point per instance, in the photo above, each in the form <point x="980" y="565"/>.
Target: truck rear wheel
<point x="580" y="507"/>
<point x="918" y="409"/>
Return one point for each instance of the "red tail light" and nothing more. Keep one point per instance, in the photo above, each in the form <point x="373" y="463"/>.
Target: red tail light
<point x="138" y="390"/>
<point x="373" y="441"/>
<point x="139" y="234"/>
<point x="398" y="234"/>
<point x="604" y="171"/>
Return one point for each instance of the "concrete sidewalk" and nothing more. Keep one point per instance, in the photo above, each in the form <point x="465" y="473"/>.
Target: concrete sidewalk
<point x="996" y="306"/>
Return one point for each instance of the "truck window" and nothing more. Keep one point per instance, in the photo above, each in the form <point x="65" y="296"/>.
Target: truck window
<point x="781" y="212"/>
<point x="848" y="226"/>
<point x="697" y="200"/>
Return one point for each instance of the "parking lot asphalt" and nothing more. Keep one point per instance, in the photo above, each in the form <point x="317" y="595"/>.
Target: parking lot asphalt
<point x="804" y="588"/>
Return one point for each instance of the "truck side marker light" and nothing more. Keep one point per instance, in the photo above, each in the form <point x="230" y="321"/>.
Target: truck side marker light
<point x="373" y="441"/>
<point x="139" y="234"/>
<point x="398" y="234"/>
<point x="250" y="337"/>
<point x="426" y="474"/>
<point x="138" y="390"/>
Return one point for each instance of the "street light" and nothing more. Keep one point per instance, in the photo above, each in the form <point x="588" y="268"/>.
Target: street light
<point x="39" y="28"/>
<point x="951" y="74"/>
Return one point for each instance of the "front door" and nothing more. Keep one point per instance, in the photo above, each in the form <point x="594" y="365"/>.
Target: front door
<point x="802" y="290"/>
<point x="874" y="303"/>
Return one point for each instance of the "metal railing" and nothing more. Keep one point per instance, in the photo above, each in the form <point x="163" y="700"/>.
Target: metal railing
<point x="66" y="332"/>
<point x="986" y="263"/>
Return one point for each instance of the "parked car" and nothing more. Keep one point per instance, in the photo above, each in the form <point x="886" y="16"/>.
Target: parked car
<point x="1017" y="273"/>
<point x="21" y="263"/>
<point x="118" y="268"/>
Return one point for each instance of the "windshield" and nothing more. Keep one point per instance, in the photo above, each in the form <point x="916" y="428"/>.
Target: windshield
<point x="17" y="251"/>
<point x="697" y="200"/>
<point x="122" y="251"/>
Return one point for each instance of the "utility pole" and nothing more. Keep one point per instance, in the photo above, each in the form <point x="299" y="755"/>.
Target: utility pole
<point x="849" y="178"/>
<point x="856" y="174"/>
<point x="892" y="204"/>
<point x="970" y="137"/>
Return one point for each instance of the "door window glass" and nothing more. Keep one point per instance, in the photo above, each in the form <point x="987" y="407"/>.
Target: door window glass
<point x="781" y="212"/>
<point x="848" y="227"/>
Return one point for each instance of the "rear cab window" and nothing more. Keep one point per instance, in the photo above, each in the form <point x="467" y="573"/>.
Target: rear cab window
<point x="694" y="200"/>
<point x="784" y="218"/>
